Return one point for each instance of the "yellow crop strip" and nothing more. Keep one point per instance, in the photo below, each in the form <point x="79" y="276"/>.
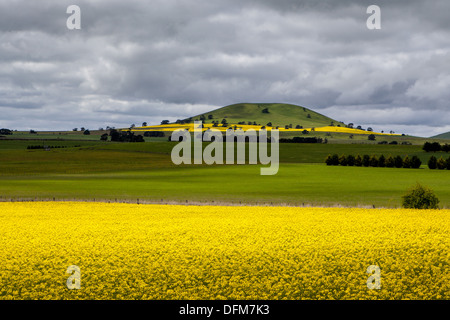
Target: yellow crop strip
<point x="190" y="127"/>
<point x="127" y="251"/>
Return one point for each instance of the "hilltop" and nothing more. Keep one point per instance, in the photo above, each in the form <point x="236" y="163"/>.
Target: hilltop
<point x="279" y="114"/>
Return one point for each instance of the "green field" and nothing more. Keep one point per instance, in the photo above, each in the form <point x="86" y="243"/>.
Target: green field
<point x="98" y="156"/>
<point x="295" y="184"/>
<point x="108" y="171"/>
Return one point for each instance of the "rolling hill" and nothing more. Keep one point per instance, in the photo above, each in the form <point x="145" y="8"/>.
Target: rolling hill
<point x="442" y="136"/>
<point x="279" y="114"/>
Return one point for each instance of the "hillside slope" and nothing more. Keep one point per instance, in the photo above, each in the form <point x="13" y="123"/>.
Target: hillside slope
<point x="279" y="114"/>
<point x="442" y="136"/>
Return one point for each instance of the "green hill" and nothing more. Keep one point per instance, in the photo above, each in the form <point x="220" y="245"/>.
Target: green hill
<point x="279" y="114"/>
<point x="442" y="136"/>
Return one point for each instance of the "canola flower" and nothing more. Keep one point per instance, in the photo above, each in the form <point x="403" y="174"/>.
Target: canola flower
<point x="130" y="251"/>
<point x="190" y="128"/>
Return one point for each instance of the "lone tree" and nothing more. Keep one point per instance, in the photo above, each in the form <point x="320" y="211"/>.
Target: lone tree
<point x="371" y="137"/>
<point x="420" y="197"/>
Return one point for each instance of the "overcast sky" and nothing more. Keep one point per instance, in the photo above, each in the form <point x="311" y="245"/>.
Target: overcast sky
<point x="135" y="61"/>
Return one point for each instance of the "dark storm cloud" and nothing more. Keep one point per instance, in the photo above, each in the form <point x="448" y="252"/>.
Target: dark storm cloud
<point x="136" y="61"/>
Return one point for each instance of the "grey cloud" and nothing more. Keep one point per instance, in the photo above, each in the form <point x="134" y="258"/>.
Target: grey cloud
<point x="139" y="61"/>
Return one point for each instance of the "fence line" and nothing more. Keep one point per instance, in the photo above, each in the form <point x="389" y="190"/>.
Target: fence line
<point x="162" y="201"/>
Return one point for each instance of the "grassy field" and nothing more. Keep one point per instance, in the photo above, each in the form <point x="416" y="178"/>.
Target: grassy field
<point x="128" y="171"/>
<point x="295" y="184"/>
<point x="126" y="251"/>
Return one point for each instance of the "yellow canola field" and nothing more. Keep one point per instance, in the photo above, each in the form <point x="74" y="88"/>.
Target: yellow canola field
<point x="190" y="127"/>
<point x="127" y="251"/>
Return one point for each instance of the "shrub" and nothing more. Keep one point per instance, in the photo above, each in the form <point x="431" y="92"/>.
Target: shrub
<point x="432" y="163"/>
<point x="358" y="161"/>
<point x="406" y="162"/>
<point x="420" y="197"/>
<point x="373" y="162"/>
<point x="415" y="162"/>
<point x="398" y="162"/>
<point x="390" y="163"/>
<point x="328" y="160"/>
<point x="366" y="160"/>
<point x="441" y="163"/>
<point x="334" y="160"/>
<point x="343" y="160"/>
<point x="351" y="160"/>
<point x="382" y="161"/>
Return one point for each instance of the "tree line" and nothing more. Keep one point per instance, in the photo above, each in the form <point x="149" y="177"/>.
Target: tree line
<point x="390" y="162"/>
<point x="374" y="161"/>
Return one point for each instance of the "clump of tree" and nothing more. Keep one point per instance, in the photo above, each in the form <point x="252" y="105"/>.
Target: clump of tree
<point x="420" y="197"/>
<point x="104" y="137"/>
<point x="125" y="136"/>
<point x="435" y="147"/>
<point x="6" y="132"/>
